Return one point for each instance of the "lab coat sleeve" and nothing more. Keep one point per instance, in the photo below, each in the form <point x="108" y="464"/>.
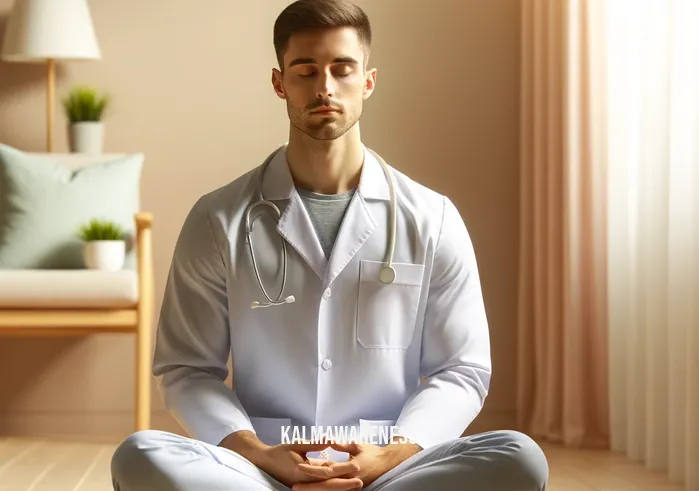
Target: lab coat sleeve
<point x="193" y="337"/>
<point x="455" y="354"/>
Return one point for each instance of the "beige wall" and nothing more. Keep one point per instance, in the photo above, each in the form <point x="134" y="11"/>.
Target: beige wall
<point x="191" y="85"/>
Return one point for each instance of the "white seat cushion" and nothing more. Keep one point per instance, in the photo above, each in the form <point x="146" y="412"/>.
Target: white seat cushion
<point x="78" y="288"/>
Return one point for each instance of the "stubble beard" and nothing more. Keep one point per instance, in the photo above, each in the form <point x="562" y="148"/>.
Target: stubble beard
<point x="324" y="130"/>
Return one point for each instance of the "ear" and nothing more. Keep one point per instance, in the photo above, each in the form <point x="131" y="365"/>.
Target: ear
<point x="369" y="83"/>
<point x="277" y="83"/>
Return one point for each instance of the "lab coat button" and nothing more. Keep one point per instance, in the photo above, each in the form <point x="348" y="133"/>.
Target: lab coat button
<point x="327" y="364"/>
<point x="326" y="293"/>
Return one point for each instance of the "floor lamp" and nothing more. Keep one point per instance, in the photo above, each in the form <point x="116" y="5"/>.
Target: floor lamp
<point x="45" y="31"/>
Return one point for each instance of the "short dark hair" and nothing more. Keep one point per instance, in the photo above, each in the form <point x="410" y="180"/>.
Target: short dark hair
<point x="303" y="15"/>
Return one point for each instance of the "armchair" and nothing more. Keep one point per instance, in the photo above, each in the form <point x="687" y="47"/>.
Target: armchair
<point x="79" y="302"/>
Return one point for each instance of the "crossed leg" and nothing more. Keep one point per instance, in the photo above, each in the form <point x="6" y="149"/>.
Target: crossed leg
<point x="496" y="461"/>
<point x="493" y="461"/>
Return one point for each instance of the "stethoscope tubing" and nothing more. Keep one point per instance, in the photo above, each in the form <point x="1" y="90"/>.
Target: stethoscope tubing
<point x="387" y="274"/>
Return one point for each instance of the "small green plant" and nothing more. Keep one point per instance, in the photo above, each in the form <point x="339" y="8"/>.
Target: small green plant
<point x="98" y="229"/>
<point x="84" y="103"/>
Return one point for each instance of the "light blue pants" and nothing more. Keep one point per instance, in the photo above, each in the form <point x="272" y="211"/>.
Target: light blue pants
<point x="153" y="460"/>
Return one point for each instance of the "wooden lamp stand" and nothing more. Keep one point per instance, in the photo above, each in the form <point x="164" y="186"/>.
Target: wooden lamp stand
<point x="50" y="102"/>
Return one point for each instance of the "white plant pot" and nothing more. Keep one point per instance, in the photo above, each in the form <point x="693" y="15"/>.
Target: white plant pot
<point x="105" y="255"/>
<point x="86" y="137"/>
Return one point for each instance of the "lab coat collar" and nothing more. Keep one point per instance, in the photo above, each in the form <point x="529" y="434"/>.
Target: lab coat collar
<point x="373" y="183"/>
<point x="278" y="184"/>
<point x="297" y="229"/>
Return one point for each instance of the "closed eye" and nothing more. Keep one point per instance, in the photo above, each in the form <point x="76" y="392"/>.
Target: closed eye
<point x="342" y="72"/>
<point x="307" y="75"/>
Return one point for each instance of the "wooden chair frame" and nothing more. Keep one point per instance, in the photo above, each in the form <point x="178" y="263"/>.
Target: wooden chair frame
<point x="79" y="322"/>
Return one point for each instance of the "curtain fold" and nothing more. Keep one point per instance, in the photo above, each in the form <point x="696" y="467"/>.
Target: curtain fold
<point x="653" y="85"/>
<point x="562" y="390"/>
<point x="608" y="328"/>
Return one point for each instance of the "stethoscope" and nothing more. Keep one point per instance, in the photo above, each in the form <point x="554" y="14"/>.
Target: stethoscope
<point x="387" y="274"/>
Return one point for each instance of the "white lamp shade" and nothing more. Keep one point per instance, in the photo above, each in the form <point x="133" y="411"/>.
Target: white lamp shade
<point x="41" y="29"/>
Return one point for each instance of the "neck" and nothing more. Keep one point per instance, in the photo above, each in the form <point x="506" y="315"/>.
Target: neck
<point x="325" y="166"/>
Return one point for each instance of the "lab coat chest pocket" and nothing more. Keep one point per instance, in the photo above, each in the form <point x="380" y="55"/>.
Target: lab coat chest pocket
<point x="386" y="313"/>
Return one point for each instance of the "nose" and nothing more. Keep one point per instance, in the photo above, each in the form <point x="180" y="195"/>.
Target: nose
<point x="326" y="86"/>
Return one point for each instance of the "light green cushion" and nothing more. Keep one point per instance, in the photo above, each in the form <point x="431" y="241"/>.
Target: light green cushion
<point x="43" y="204"/>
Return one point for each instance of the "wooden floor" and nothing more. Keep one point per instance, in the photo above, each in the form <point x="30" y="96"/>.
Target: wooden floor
<point x="34" y="465"/>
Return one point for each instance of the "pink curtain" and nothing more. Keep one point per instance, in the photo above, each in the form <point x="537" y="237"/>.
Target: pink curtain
<point x="562" y="391"/>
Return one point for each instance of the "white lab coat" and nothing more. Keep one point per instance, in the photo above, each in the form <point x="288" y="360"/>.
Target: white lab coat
<point x="350" y="350"/>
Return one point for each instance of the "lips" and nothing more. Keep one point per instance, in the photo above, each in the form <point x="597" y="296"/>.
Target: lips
<point x="325" y="111"/>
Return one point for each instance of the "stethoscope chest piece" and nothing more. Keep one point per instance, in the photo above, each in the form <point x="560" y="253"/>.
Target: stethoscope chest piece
<point x="387" y="275"/>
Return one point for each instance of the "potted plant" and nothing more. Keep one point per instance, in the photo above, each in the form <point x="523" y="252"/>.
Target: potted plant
<point x="104" y="245"/>
<point x="85" y="108"/>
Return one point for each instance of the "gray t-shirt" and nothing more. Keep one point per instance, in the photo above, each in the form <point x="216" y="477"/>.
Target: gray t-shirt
<point x="326" y="212"/>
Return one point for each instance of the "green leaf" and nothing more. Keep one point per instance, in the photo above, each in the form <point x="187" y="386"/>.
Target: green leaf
<point x="97" y="229"/>
<point x="84" y="103"/>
